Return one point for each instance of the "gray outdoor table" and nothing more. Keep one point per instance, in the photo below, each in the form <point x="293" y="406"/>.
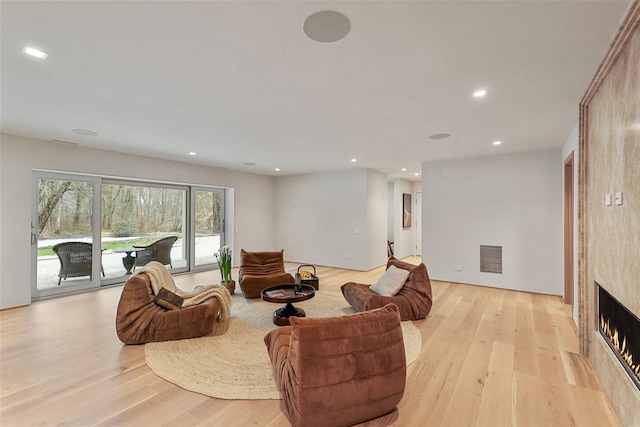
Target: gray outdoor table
<point x="129" y="260"/>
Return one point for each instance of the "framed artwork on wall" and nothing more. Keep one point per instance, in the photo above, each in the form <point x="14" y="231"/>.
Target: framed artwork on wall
<point x="406" y="210"/>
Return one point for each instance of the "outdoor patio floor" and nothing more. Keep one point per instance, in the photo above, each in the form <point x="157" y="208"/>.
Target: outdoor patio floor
<point x="48" y="266"/>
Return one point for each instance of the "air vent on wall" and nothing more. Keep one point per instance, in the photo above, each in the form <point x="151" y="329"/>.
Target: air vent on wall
<point x="59" y="141"/>
<point x="491" y="259"/>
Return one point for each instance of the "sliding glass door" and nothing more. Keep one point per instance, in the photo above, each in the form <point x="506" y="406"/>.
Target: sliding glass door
<point x="63" y="235"/>
<point x="208" y="225"/>
<point x="89" y="232"/>
<point x="140" y="223"/>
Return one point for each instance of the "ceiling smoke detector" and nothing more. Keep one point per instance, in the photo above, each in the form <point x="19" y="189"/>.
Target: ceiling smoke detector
<point x="85" y="132"/>
<point x="440" y="136"/>
<point x="326" y="26"/>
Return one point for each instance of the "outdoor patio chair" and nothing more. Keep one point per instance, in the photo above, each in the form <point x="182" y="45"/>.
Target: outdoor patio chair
<point x="75" y="259"/>
<point x="159" y="251"/>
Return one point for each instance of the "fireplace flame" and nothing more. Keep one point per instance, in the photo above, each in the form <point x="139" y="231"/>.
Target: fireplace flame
<point x="613" y="337"/>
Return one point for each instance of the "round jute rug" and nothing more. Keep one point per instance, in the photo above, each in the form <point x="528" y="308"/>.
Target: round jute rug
<point x="236" y="365"/>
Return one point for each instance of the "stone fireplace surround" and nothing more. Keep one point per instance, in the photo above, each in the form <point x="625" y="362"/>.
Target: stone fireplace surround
<point x="609" y="235"/>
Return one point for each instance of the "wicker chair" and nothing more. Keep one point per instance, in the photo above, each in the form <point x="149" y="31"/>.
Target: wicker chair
<point x="159" y="251"/>
<point x="75" y="259"/>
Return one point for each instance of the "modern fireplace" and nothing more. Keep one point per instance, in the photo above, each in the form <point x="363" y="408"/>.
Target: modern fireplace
<point x="621" y="330"/>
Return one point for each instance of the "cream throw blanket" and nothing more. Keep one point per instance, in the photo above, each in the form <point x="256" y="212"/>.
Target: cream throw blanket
<point x="161" y="278"/>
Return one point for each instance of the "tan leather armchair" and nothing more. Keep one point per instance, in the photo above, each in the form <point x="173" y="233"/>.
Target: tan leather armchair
<point x="140" y="320"/>
<point x="259" y="270"/>
<point x="414" y="298"/>
<point x="339" y="371"/>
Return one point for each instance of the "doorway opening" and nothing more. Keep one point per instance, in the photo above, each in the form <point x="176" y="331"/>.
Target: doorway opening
<point x="568" y="230"/>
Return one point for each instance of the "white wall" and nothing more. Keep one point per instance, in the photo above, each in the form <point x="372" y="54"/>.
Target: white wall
<point x="416" y="231"/>
<point x="321" y="218"/>
<point x="402" y="237"/>
<point x="572" y="144"/>
<point x="390" y="210"/>
<point x="511" y="200"/>
<point x="2" y="207"/>
<point x="253" y="196"/>
<point x="377" y="209"/>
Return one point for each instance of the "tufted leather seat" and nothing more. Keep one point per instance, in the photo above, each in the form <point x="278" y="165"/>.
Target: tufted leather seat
<point x="339" y="371"/>
<point x="140" y="320"/>
<point x="259" y="270"/>
<point x="414" y="298"/>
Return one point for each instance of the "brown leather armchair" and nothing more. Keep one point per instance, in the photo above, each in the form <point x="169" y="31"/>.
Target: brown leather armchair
<point x="414" y="298"/>
<point x="259" y="270"/>
<point x="339" y="371"/>
<point x="140" y="320"/>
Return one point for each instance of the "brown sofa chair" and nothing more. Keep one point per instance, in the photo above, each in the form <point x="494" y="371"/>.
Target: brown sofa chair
<point x="339" y="371"/>
<point x="140" y="320"/>
<point x="414" y="298"/>
<point x="259" y="270"/>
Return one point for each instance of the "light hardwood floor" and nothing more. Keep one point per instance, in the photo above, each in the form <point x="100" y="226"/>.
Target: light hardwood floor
<point x="489" y="357"/>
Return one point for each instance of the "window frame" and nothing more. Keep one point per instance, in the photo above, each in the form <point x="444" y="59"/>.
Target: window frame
<point x="98" y="181"/>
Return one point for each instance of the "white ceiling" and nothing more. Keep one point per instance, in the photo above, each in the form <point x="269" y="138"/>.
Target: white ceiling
<point x="240" y="82"/>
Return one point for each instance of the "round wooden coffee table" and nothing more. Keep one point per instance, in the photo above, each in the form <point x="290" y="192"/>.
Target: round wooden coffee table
<point x="287" y="294"/>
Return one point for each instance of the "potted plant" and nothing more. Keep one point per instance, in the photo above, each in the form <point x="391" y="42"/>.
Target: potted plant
<point x="223" y="256"/>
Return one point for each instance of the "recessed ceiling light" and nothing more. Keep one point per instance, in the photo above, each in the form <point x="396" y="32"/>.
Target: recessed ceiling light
<point x="440" y="136"/>
<point x="85" y="132"/>
<point x="277" y="169"/>
<point x="417" y="174"/>
<point x="497" y="142"/>
<point x="479" y="93"/>
<point x="326" y="26"/>
<point x="354" y="160"/>
<point x="192" y="153"/>
<point x="403" y="169"/>
<point x="249" y="164"/>
<point x="34" y="52"/>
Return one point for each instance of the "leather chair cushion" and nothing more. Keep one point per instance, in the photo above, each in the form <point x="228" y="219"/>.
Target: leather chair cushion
<point x="259" y="270"/>
<point x="339" y="371"/>
<point x="140" y="320"/>
<point x="414" y="298"/>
